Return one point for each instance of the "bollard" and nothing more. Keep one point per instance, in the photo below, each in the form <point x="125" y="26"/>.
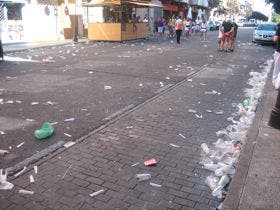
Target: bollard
<point x="274" y="120"/>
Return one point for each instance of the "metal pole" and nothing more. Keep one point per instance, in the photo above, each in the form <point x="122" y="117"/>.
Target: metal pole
<point x="75" y="39"/>
<point x="274" y="120"/>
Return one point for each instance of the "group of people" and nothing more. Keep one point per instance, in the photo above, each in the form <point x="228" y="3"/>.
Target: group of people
<point x="227" y="31"/>
<point x="178" y="26"/>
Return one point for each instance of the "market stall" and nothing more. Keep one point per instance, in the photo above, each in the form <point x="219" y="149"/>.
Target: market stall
<point x="118" y="20"/>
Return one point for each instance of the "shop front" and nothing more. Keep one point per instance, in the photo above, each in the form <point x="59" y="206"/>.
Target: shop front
<point x="119" y="20"/>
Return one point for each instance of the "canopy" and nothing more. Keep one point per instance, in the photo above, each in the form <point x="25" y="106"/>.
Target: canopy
<point x="100" y="3"/>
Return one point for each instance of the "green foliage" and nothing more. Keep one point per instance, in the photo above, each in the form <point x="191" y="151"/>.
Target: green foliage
<point x="276" y="5"/>
<point x="275" y="17"/>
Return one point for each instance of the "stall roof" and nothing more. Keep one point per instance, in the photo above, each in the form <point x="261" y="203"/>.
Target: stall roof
<point x="100" y="3"/>
<point x="147" y="4"/>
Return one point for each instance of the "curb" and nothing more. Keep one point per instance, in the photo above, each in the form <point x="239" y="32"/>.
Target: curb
<point x="237" y="184"/>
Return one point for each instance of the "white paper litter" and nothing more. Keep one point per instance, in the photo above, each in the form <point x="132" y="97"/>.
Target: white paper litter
<point x="154" y="184"/>
<point x="69" y="144"/>
<point x="31" y="179"/>
<point x="69" y="119"/>
<point x="34" y="103"/>
<point x="182" y="135"/>
<point x="135" y="164"/>
<point x="35" y="169"/>
<point x="107" y="87"/>
<point x="19" y="145"/>
<point x="96" y="193"/>
<point x="191" y="110"/>
<point x="66" y="134"/>
<point x="2" y="132"/>
<point x="20" y="172"/>
<point x="26" y="192"/>
<point x="174" y="145"/>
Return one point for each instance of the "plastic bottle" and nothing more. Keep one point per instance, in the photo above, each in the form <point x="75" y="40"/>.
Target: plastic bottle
<point x="45" y="131"/>
<point x="142" y="177"/>
<point x="211" y="167"/>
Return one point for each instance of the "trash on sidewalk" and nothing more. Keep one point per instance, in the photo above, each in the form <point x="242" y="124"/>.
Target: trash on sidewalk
<point x="25" y="192"/>
<point x="3" y="152"/>
<point x="66" y="172"/>
<point x="46" y="131"/>
<point x="34" y="103"/>
<point x="246" y="103"/>
<point x="213" y="92"/>
<point x="4" y="184"/>
<point x="174" y="145"/>
<point x="150" y="162"/>
<point x="69" y="119"/>
<point x="135" y="164"/>
<point x="69" y="144"/>
<point x="19" y="145"/>
<point x="66" y="134"/>
<point x="2" y="132"/>
<point x="154" y="184"/>
<point x="31" y="179"/>
<point x="191" y="110"/>
<point x="199" y="116"/>
<point x="107" y="87"/>
<point x="142" y="177"/>
<point x="20" y="172"/>
<point x="96" y="193"/>
<point x="35" y="169"/>
<point x="182" y="135"/>
<point x="220" y="112"/>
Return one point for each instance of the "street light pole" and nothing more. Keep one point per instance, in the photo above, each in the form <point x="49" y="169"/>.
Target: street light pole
<point x="75" y="39"/>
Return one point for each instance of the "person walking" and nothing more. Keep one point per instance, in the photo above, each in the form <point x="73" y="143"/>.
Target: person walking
<point x="276" y="70"/>
<point x="1" y="49"/>
<point x="203" y="30"/>
<point x="178" y="28"/>
<point x="227" y="28"/>
<point x="233" y="37"/>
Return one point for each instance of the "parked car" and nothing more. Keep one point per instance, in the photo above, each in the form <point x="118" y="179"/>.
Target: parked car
<point x="264" y="33"/>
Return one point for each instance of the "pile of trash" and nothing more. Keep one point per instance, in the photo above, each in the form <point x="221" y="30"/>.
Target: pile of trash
<point x="222" y="157"/>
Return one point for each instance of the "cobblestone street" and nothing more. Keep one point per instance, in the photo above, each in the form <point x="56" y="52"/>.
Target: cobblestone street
<point x="159" y="124"/>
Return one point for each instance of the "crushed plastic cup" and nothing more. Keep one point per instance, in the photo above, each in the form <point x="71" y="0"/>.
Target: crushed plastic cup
<point x="212" y="182"/>
<point x="211" y="167"/>
<point x="142" y="177"/>
<point x="205" y="148"/>
<point x="46" y="131"/>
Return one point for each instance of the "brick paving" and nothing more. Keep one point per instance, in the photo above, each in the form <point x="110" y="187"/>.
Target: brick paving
<point x="104" y="160"/>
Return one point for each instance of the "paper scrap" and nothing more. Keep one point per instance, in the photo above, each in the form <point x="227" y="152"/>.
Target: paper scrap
<point x="182" y="135"/>
<point x="96" y="193"/>
<point x="35" y="169"/>
<point x="66" y="134"/>
<point x="69" y="144"/>
<point x="26" y="192"/>
<point x="154" y="184"/>
<point x="20" y="172"/>
<point x="31" y="178"/>
<point x="174" y="145"/>
<point x="19" y="145"/>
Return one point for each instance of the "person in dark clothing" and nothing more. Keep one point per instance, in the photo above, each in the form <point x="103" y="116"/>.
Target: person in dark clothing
<point x="276" y="71"/>
<point x="233" y="37"/>
<point x="227" y="29"/>
<point x="1" y="50"/>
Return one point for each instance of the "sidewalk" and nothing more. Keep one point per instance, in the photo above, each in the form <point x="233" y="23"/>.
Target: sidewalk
<point x="256" y="185"/>
<point x="11" y="47"/>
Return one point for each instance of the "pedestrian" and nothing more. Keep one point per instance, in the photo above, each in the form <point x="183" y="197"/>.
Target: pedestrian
<point x="188" y="28"/>
<point x="276" y="70"/>
<point x="160" y="26"/>
<point x="170" y="27"/>
<point x="1" y="47"/>
<point x="203" y="30"/>
<point x="227" y="29"/>
<point x="233" y="37"/>
<point x="220" y="36"/>
<point x="178" y="28"/>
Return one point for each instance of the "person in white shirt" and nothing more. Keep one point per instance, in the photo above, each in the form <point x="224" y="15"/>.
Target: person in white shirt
<point x="178" y="28"/>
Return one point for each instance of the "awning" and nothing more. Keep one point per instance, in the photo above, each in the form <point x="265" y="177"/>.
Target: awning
<point x="108" y="3"/>
<point x="146" y="4"/>
<point x="104" y="3"/>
